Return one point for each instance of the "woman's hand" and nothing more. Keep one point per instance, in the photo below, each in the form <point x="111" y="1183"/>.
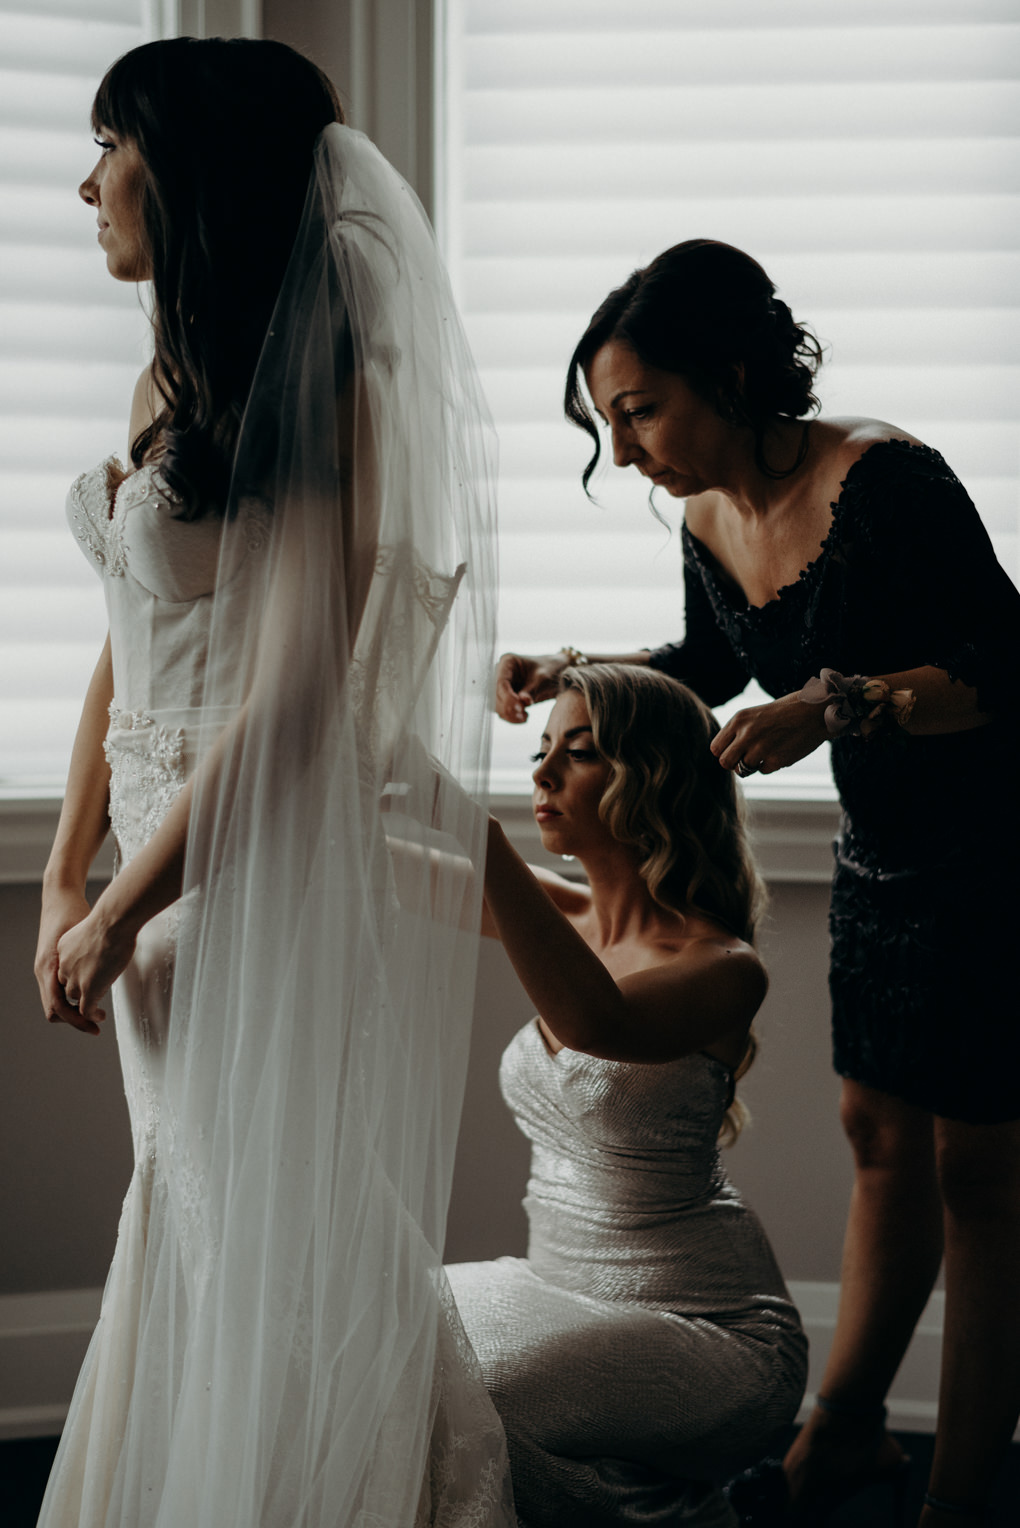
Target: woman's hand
<point x="521" y="681"/>
<point x="770" y="737"/>
<point x="90" y="957"/>
<point x="61" y="910"/>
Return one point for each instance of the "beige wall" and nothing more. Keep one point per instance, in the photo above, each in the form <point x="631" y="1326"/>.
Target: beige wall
<point x="65" y="1147"/>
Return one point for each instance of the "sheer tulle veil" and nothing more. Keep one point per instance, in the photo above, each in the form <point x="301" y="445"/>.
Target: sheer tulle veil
<point x="300" y="1364"/>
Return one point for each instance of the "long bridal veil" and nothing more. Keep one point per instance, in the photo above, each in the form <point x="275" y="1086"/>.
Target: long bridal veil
<point x="298" y="1363"/>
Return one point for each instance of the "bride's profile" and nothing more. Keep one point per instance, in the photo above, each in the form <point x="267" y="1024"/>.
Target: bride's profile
<point x="297" y="564"/>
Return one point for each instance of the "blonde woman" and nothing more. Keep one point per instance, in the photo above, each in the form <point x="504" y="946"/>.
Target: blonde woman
<point x="646" y="1347"/>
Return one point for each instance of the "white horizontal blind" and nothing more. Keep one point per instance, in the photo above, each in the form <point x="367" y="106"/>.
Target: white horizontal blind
<point x="72" y="342"/>
<point x="867" y="153"/>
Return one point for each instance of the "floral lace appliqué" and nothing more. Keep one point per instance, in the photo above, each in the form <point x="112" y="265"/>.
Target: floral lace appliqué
<point x="146" y="775"/>
<point x="467" y="1479"/>
<point x="255" y="519"/>
<point x="89" y="510"/>
<point x="100" y="501"/>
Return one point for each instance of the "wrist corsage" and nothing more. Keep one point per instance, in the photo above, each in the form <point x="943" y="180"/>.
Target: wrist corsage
<point x="857" y="705"/>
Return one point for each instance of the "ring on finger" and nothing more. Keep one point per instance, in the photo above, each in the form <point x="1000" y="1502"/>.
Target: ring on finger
<point x="744" y="769"/>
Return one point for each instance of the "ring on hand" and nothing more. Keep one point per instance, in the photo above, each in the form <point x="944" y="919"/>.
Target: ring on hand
<point x="744" y="769"/>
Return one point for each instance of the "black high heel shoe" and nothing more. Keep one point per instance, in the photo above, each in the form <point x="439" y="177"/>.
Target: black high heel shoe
<point x="761" y="1496"/>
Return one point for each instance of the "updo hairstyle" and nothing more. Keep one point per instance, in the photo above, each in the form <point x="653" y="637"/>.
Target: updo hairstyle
<point x="709" y="313"/>
<point x="226" y="130"/>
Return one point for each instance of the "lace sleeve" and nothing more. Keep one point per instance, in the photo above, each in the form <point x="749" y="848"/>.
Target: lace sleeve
<point x="923" y="548"/>
<point x="704" y="660"/>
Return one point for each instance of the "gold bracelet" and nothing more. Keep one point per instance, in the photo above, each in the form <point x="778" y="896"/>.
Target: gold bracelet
<point x="575" y="659"/>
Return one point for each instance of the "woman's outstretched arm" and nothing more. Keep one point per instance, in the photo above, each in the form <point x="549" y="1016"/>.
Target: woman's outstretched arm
<point x="521" y="681"/>
<point x="710" y="991"/>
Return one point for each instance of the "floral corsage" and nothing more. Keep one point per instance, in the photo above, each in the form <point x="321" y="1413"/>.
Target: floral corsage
<point x="857" y="705"/>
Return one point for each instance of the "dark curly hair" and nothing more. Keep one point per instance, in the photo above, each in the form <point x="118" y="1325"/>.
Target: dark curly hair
<point x="709" y="313"/>
<point x="226" y="130"/>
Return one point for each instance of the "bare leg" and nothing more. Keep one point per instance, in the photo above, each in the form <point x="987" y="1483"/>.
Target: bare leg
<point x="979" y="1395"/>
<point x="891" y="1256"/>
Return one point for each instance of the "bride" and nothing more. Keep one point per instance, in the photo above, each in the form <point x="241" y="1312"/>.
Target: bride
<point x="297" y="567"/>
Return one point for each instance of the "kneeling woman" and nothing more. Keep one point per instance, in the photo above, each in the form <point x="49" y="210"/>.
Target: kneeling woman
<point x="646" y="1347"/>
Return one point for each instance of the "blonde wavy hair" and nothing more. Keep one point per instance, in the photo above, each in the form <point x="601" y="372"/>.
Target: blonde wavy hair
<point x="668" y="797"/>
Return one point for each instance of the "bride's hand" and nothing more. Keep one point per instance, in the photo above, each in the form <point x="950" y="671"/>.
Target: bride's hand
<point x="90" y="957"/>
<point x="61" y="910"/>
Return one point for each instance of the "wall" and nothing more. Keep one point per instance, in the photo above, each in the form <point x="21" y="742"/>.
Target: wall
<point x="379" y="54"/>
<point x="65" y="1147"/>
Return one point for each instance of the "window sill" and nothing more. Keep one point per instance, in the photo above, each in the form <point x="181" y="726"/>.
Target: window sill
<point x="793" y="839"/>
<point x="27" y="825"/>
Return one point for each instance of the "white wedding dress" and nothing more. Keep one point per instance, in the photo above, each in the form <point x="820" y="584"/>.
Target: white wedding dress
<point x="278" y="1347"/>
<point x="170" y="1425"/>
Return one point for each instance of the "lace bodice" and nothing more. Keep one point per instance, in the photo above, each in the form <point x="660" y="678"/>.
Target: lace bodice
<point x="159" y="573"/>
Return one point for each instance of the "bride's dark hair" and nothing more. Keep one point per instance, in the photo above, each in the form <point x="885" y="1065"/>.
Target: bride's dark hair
<point x="225" y="129"/>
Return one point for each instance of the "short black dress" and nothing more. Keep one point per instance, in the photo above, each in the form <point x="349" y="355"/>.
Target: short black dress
<point x="924" y="914"/>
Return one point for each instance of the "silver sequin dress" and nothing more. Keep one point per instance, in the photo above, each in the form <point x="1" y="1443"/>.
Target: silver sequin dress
<point x="647" y="1347"/>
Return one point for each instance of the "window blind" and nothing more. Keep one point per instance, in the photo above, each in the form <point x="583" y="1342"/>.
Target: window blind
<point x="868" y="154"/>
<point x="72" y="342"/>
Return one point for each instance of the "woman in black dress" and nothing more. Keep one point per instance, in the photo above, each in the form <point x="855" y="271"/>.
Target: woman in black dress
<point x="848" y="545"/>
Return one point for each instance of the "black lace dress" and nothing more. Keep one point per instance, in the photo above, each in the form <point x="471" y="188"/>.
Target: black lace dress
<point x="924" y="906"/>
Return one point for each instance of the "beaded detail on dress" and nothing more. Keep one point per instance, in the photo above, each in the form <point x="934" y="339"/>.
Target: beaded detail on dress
<point x="146" y="765"/>
<point x="92" y="512"/>
<point x="628" y="1198"/>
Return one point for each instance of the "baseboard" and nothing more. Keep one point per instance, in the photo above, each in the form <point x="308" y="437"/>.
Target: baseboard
<point x="913" y="1399"/>
<point x="43" y="1338"/>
